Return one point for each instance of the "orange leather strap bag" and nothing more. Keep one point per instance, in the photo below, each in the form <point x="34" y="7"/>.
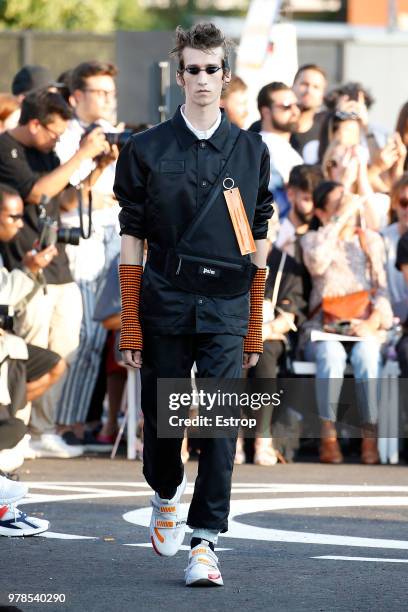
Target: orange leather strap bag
<point x="356" y="305"/>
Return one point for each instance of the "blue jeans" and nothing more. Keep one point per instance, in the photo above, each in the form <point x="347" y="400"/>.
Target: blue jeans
<point x="331" y="358"/>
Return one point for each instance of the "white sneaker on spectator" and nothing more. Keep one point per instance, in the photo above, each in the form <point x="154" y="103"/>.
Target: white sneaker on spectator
<point x="11" y="459"/>
<point x="11" y="490"/>
<point x="52" y="445"/>
<point x="14" y="523"/>
<point x="24" y="446"/>
<point x="167" y="526"/>
<point x="202" y="569"/>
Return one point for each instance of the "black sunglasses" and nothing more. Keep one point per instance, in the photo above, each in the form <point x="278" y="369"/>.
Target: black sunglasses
<point x="193" y="69"/>
<point x="17" y="217"/>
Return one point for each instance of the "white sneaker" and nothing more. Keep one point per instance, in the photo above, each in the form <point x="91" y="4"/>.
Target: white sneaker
<point x="202" y="569"/>
<point x="25" y="446"/>
<point x="167" y="526"/>
<point x="11" y="490"/>
<point x="11" y="459"/>
<point x="14" y="523"/>
<point x="52" y="445"/>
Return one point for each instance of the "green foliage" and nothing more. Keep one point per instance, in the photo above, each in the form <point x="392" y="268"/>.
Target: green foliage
<point x="92" y="15"/>
<point x="95" y="15"/>
<point x="89" y="15"/>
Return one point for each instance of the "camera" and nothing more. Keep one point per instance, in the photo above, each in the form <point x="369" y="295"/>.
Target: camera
<point x="50" y="233"/>
<point x="118" y="138"/>
<point x="113" y="138"/>
<point x="6" y="318"/>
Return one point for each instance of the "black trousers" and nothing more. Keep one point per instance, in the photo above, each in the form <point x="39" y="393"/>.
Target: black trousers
<point x="216" y="355"/>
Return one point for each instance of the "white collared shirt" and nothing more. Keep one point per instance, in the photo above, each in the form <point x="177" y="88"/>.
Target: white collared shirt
<point x="201" y="134"/>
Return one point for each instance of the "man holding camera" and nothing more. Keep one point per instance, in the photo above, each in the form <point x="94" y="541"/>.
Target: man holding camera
<point x="52" y="318"/>
<point x="93" y="96"/>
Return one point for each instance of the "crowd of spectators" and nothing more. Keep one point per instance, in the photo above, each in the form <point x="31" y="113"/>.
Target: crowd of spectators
<point x="338" y="255"/>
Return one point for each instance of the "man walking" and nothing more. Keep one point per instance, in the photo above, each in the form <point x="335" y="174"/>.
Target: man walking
<point x="192" y="303"/>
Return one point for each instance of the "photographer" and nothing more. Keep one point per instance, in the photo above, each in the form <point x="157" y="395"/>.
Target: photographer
<point x="26" y="371"/>
<point x="52" y="318"/>
<point x="93" y="95"/>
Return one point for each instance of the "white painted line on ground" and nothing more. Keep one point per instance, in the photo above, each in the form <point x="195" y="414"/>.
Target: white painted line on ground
<point x="65" y="536"/>
<point x="238" y="529"/>
<point x="373" y="559"/>
<point x="272" y="487"/>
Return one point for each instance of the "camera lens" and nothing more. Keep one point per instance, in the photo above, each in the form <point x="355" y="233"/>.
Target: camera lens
<point x="69" y="235"/>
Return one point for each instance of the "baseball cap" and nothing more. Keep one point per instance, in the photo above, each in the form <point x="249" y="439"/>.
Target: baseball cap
<point x="30" y="78"/>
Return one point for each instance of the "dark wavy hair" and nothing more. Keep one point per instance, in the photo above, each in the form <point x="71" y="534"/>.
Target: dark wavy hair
<point x="202" y="36"/>
<point x="43" y="105"/>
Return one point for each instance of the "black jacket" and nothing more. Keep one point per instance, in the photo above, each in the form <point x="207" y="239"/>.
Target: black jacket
<point x="163" y="177"/>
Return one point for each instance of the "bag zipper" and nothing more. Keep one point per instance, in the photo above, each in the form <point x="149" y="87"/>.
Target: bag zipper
<point x="214" y="262"/>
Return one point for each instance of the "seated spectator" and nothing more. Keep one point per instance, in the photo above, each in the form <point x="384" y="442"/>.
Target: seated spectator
<point x="402" y="129"/>
<point x="234" y="100"/>
<point x="9" y="112"/>
<point x="309" y="85"/>
<point x="343" y="260"/>
<point x="30" y="370"/>
<point x="302" y="182"/>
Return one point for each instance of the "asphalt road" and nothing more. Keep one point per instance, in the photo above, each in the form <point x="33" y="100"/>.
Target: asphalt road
<point x="302" y="537"/>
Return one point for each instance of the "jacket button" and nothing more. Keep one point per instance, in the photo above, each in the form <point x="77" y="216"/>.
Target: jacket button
<point x="203" y="144"/>
<point x="204" y="183"/>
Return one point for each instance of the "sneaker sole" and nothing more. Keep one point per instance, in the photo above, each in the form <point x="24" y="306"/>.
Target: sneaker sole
<point x="28" y="532"/>
<point x="57" y="455"/>
<point x="205" y="582"/>
<point x="98" y="448"/>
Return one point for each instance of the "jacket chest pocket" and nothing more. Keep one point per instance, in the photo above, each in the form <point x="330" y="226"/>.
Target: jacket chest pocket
<point x="172" y="167"/>
<point x="167" y="189"/>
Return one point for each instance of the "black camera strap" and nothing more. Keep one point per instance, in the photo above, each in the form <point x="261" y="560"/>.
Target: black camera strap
<point x="87" y="234"/>
<point x="213" y="195"/>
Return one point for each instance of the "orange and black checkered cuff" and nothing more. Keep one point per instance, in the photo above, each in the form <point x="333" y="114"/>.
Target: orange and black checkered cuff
<point x="253" y="340"/>
<point x="130" y="279"/>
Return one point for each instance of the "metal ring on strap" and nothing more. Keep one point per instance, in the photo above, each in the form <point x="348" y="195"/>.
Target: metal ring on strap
<point x="224" y="183"/>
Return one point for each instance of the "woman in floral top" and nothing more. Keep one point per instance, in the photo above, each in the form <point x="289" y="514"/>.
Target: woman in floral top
<point x="342" y="261"/>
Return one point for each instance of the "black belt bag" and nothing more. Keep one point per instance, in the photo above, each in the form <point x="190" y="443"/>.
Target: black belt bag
<point x="207" y="276"/>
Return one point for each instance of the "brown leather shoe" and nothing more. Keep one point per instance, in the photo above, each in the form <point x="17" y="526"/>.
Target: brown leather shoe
<point x="369" y="450"/>
<point x="329" y="450"/>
